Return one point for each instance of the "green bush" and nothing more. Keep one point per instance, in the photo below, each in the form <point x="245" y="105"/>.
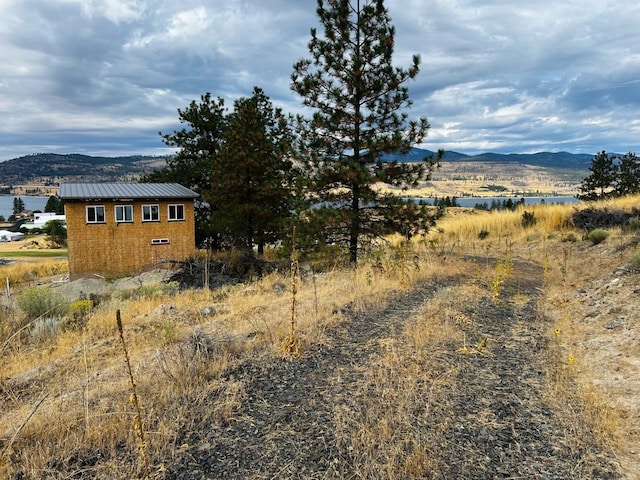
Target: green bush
<point x="39" y="302"/>
<point x="528" y="219"/>
<point x="597" y="235"/>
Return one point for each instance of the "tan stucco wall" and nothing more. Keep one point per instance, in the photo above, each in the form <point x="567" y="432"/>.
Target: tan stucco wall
<point x="113" y="248"/>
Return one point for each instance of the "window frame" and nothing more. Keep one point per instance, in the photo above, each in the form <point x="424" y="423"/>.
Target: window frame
<point x="151" y="210"/>
<point x="124" y="209"/>
<point x="175" y="217"/>
<point x="160" y="241"/>
<point x="95" y="214"/>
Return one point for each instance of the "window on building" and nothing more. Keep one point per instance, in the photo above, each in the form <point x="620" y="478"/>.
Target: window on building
<point x="150" y="213"/>
<point x="159" y="241"/>
<point x="124" y="213"/>
<point x="176" y="212"/>
<point x="95" y="214"/>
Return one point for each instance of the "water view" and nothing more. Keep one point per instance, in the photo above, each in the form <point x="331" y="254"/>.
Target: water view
<point x="30" y="203"/>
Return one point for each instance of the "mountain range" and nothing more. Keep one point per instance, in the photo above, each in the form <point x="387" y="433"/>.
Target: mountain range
<point x="52" y="168"/>
<point x="574" y="161"/>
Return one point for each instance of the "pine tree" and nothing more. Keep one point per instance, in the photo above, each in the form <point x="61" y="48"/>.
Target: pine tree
<point x="18" y="205"/>
<point x="627" y="175"/>
<point x="359" y="99"/>
<point x="53" y="205"/>
<point x="198" y="146"/>
<point x="252" y="177"/>
<point x="239" y="163"/>
<point x="600" y="182"/>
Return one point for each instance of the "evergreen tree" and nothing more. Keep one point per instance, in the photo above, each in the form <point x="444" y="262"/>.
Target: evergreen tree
<point x="599" y="184"/>
<point x="628" y="175"/>
<point x="198" y="146"/>
<point x="54" y="205"/>
<point x="239" y="163"/>
<point x="18" y="205"/>
<point x="359" y="99"/>
<point x="252" y="177"/>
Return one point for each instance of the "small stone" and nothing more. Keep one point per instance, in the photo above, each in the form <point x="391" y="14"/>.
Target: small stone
<point x="208" y="311"/>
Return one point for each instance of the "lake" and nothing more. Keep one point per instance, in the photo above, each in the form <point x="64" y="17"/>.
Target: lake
<point x="30" y="203"/>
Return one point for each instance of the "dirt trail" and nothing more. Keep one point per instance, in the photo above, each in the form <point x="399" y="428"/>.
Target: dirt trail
<point x="490" y="420"/>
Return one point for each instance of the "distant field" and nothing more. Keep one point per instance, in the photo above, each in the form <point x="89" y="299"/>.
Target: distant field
<point x="475" y="179"/>
<point x="35" y="254"/>
<point x="32" y="247"/>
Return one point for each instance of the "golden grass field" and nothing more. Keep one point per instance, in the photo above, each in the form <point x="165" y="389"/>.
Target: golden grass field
<point x="67" y="392"/>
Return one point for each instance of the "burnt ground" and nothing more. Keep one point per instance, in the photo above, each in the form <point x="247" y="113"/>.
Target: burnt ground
<point x="493" y="417"/>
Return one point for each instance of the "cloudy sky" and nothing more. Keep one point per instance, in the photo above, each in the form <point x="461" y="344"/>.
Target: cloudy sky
<point x="104" y="76"/>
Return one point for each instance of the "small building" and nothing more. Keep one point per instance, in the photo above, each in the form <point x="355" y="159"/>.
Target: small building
<point x="123" y="228"/>
<point x="7" y="236"/>
<point x="41" y="219"/>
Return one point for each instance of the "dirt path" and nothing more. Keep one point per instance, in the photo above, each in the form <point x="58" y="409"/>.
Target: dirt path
<point x="489" y="419"/>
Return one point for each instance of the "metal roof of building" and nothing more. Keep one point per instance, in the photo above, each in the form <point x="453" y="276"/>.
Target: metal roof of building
<point x="81" y="191"/>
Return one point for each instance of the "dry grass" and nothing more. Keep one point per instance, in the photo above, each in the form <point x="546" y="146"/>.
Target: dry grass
<point x="179" y="356"/>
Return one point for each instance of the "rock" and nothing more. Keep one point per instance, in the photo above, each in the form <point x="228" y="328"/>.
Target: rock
<point x="208" y="311"/>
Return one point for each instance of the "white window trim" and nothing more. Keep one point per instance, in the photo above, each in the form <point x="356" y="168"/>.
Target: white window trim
<point x="151" y="219"/>
<point x="160" y="241"/>
<point x="123" y="207"/>
<point x="95" y="214"/>
<point x="176" y="219"/>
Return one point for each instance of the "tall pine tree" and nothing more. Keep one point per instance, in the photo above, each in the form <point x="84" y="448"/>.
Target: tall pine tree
<point x="600" y="182"/>
<point x="199" y="144"/>
<point x="252" y="177"/>
<point x="359" y="100"/>
<point x="628" y="175"/>
<point x="240" y="164"/>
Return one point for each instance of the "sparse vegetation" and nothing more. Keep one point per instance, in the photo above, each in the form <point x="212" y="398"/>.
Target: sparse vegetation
<point x="38" y="302"/>
<point x="635" y="261"/>
<point x="395" y="397"/>
<point x="598" y="235"/>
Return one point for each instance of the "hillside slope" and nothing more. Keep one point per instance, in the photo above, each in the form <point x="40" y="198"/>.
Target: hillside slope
<point x="51" y="168"/>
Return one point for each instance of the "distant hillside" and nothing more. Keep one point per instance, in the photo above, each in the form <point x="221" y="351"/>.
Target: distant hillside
<point x="52" y="168"/>
<point x="579" y="161"/>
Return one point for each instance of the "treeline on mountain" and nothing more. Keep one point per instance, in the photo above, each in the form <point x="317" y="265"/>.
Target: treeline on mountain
<point x="58" y="167"/>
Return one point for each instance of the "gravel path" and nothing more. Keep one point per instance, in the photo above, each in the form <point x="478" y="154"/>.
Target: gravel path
<point x="493" y="421"/>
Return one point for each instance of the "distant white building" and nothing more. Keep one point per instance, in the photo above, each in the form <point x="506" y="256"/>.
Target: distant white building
<point x="7" y="236"/>
<point x="40" y="219"/>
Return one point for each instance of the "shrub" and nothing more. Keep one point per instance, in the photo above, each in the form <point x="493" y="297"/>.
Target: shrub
<point x="78" y="313"/>
<point x="528" y="219"/>
<point x="597" y="236"/>
<point x="39" y="302"/>
<point x="482" y="234"/>
<point x="45" y="329"/>
<point x="633" y="226"/>
<point x="592" y="218"/>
